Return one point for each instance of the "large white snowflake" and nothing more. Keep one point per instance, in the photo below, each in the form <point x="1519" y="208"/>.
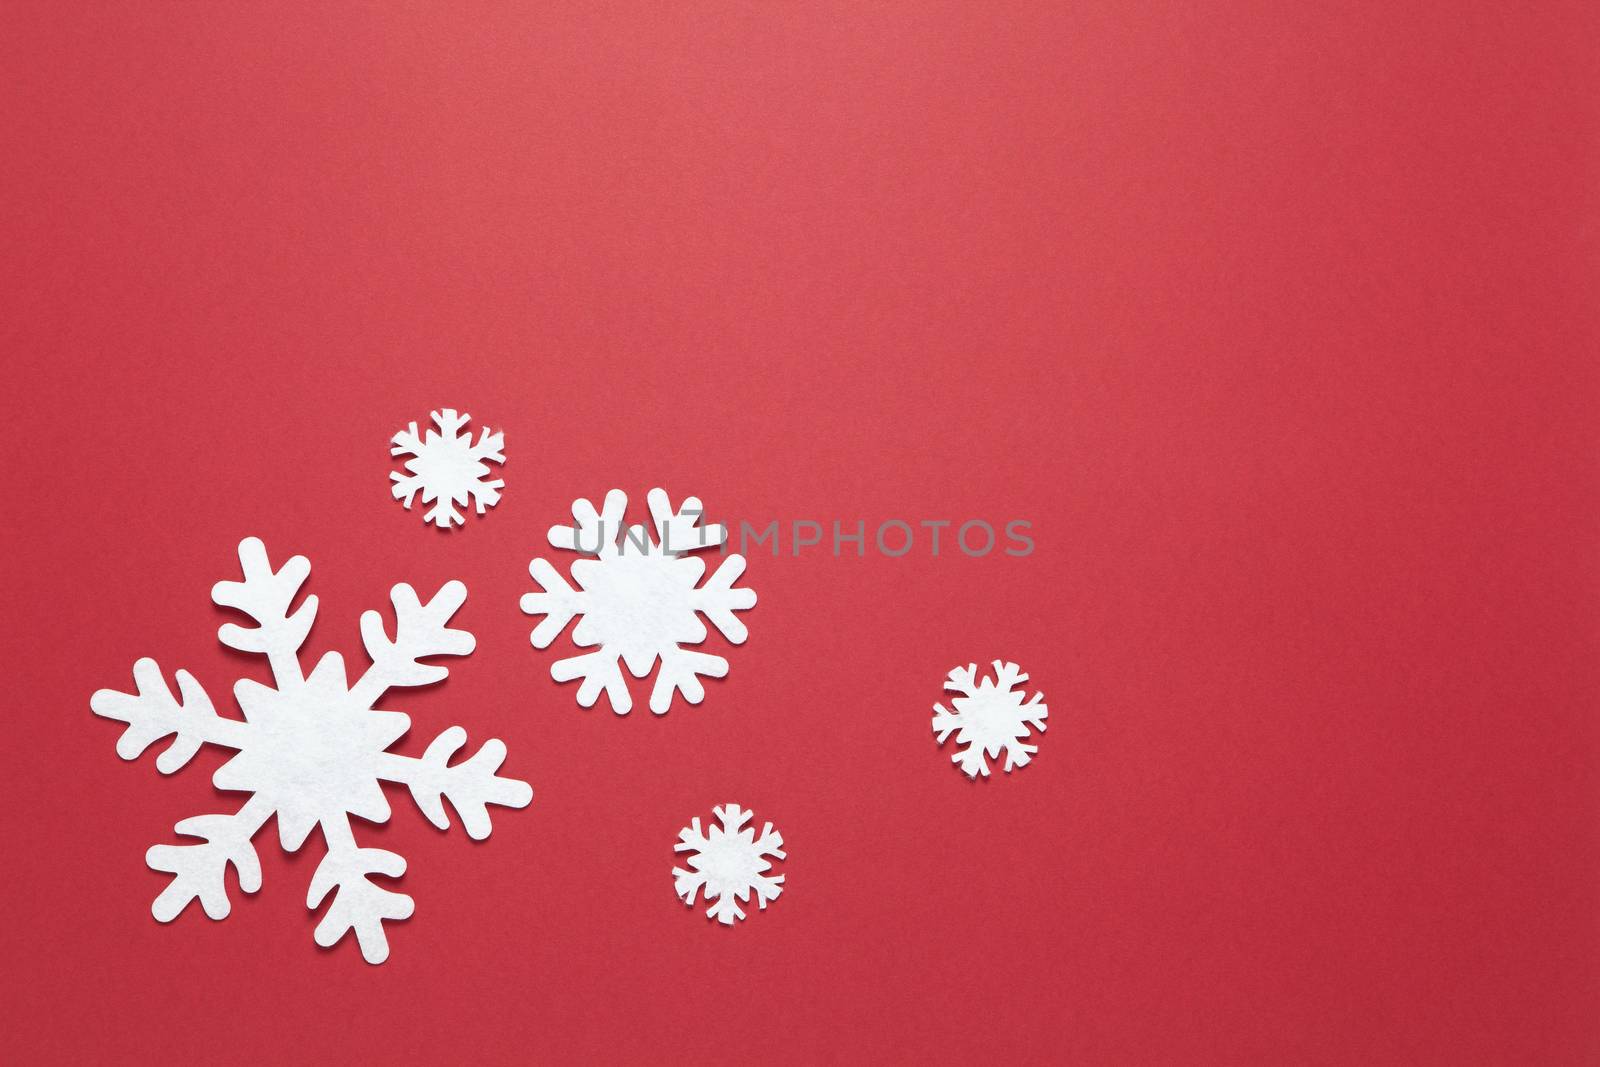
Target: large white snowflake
<point x="638" y="600"/>
<point x="729" y="863"/>
<point x="989" y="717"/>
<point x="447" y="467"/>
<point x="311" y="749"/>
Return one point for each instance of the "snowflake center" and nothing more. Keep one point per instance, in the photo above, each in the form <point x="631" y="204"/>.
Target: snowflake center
<point x="639" y="602"/>
<point x="447" y="462"/>
<point x="992" y="718"/>
<point x="312" y="744"/>
<point x="728" y="862"/>
<point x="312" y="752"/>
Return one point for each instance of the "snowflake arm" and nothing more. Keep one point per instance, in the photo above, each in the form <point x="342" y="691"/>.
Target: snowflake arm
<point x="588" y="532"/>
<point x="406" y="486"/>
<point x="200" y="871"/>
<point x="945" y="721"/>
<point x="470" y="785"/>
<point x="681" y="671"/>
<point x="153" y="713"/>
<point x="729" y="863"/>
<point x="680" y="531"/>
<point x="265" y="596"/>
<point x="1006" y="675"/>
<point x="447" y="467"/>
<point x="717" y="599"/>
<point x="420" y="631"/>
<point x="963" y="680"/>
<point x="601" y="671"/>
<point x="359" y="904"/>
<point x="688" y="884"/>
<point x="558" y="602"/>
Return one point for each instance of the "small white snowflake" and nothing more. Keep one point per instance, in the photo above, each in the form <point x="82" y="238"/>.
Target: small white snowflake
<point x="989" y="717"/>
<point x="446" y="466"/>
<point x="311" y="749"/>
<point x="729" y="863"/>
<point x="638" y="600"/>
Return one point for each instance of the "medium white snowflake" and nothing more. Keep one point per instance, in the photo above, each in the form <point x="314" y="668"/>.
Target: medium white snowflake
<point x="638" y="600"/>
<point x="447" y="467"/>
<point x="310" y="749"/>
<point x="729" y="863"/>
<point x="989" y="717"/>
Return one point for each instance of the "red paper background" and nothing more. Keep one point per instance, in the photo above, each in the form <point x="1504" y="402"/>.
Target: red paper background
<point x="1280" y="326"/>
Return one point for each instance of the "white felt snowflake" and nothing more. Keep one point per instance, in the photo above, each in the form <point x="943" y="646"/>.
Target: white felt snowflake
<point x="638" y="600"/>
<point x="311" y="749"/>
<point x="447" y="467"/>
<point x="729" y="864"/>
<point x="989" y="717"/>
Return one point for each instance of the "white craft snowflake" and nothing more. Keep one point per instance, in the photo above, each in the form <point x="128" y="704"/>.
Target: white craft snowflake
<point x="989" y="717"/>
<point x="729" y="864"/>
<point x="311" y="749"/>
<point x="638" y="600"/>
<point x="447" y="467"/>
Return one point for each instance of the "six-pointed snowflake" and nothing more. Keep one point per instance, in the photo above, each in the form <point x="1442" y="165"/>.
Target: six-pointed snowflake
<point x="447" y="467"/>
<point x="729" y="863"/>
<point x="989" y="717"/>
<point x="312" y="749"/>
<point x="638" y="601"/>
